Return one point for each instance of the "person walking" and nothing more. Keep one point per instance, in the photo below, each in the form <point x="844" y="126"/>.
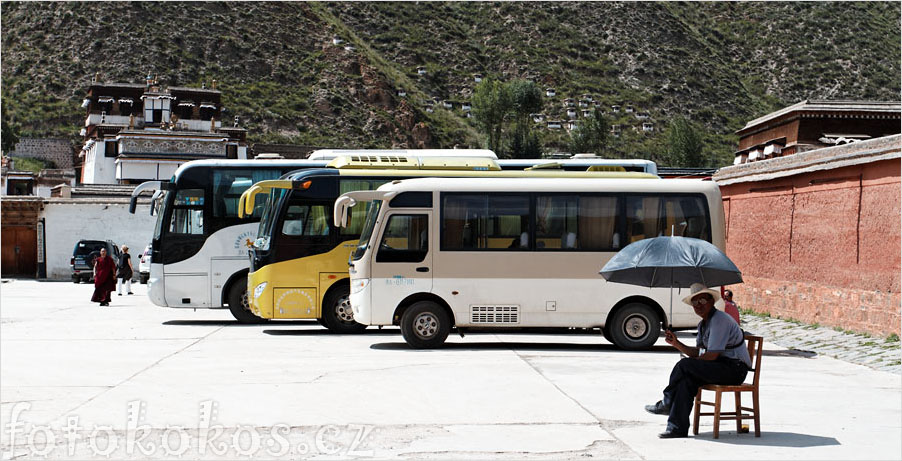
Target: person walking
<point x="125" y="272"/>
<point x="104" y="278"/>
<point x="720" y="356"/>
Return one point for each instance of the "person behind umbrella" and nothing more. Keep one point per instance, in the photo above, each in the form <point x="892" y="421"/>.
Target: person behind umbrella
<point x="730" y="307"/>
<point x="104" y="278"/>
<point x="720" y="356"/>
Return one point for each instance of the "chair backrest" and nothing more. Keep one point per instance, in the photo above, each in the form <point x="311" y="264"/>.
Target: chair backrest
<point x="755" y="345"/>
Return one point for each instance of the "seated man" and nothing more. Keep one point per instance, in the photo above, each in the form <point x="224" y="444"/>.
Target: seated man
<point x="720" y="356"/>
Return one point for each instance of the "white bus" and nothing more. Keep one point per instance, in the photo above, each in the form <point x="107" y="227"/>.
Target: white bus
<point x="199" y="246"/>
<point x="199" y="249"/>
<point x="496" y="253"/>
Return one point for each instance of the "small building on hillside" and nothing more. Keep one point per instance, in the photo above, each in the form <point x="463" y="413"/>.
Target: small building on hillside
<point x="814" y="124"/>
<point x="139" y="132"/>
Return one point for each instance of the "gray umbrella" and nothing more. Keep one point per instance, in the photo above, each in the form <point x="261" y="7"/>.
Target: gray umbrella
<point x="671" y="262"/>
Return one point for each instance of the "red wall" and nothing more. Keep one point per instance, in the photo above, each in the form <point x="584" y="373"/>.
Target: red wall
<point x="820" y="247"/>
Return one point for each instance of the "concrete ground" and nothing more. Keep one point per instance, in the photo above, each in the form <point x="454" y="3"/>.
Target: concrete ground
<point x="137" y="381"/>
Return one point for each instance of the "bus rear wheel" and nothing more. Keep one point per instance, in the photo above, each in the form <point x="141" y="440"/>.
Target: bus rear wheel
<point x="238" y="304"/>
<point x="337" y="314"/>
<point x="425" y="325"/>
<point x="635" y="326"/>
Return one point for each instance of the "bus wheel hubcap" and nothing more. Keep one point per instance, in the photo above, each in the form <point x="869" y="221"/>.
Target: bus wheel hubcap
<point x="425" y="325"/>
<point x="343" y="310"/>
<point x="635" y="327"/>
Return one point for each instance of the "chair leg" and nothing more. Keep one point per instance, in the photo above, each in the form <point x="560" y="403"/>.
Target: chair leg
<point x="698" y="405"/>
<point x="717" y="395"/>
<point x="757" y="411"/>
<point x="738" y="396"/>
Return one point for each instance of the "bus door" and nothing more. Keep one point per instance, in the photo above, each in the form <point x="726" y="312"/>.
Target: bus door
<point x="403" y="260"/>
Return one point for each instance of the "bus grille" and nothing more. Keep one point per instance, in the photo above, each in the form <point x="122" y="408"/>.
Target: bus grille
<point x="494" y="314"/>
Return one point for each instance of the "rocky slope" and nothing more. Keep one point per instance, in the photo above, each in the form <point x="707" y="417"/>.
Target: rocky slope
<point x="720" y="64"/>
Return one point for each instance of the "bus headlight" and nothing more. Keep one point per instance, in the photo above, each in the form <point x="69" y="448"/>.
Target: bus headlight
<point x="258" y="290"/>
<point x="357" y="285"/>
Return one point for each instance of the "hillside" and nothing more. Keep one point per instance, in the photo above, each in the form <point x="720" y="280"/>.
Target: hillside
<point x="718" y="64"/>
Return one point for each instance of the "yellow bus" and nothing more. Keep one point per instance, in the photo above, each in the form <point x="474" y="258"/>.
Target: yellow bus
<point x="299" y="260"/>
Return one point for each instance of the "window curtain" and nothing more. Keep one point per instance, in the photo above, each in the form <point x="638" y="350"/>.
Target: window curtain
<point x="597" y="216"/>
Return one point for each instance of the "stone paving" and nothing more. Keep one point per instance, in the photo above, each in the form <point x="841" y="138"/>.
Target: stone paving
<point x="876" y="353"/>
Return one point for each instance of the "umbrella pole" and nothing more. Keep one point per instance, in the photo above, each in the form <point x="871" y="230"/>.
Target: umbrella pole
<point x="670" y="319"/>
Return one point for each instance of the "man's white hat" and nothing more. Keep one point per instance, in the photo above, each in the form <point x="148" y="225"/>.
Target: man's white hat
<point x="699" y="288"/>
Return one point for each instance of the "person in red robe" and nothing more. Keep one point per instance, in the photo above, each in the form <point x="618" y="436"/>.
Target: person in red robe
<point x="104" y="278"/>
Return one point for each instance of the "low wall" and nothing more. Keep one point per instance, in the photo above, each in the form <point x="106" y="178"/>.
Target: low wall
<point x="69" y="220"/>
<point x="817" y="235"/>
<point x="58" y="151"/>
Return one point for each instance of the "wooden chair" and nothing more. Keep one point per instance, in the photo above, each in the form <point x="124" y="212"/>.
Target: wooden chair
<point x="755" y="344"/>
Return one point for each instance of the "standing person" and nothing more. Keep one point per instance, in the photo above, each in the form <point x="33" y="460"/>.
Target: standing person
<point x="730" y="307"/>
<point x="720" y="356"/>
<point x="104" y="278"/>
<point x="125" y="272"/>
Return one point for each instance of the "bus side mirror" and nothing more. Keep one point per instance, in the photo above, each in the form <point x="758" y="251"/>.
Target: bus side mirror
<point x="340" y="212"/>
<point x="246" y="201"/>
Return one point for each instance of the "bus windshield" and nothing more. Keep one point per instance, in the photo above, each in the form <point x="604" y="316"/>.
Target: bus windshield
<point x="267" y="221"/>
<point x="367" y="230"/>
<point x="162" y="205"/>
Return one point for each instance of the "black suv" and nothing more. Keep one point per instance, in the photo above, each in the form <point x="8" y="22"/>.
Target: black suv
<point x="83" y="256"/>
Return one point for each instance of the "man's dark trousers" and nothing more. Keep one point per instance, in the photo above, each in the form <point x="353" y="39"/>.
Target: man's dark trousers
<point x="687" y="376"/>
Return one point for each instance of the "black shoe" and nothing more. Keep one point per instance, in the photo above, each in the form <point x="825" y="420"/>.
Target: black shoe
<point x="120" y="294"/>
<point x="104" y="304"/>
<point x="658" y="409"/>
<point x="673" y="434"/>
<point x="130" y="293"/>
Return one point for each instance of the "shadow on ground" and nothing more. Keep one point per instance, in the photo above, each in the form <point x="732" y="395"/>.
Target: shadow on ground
<point x="325" y="332"/>
<point x="517" y="346"/>
<point x="771" y="439"/>
<point x="233" y="323"/>
<point x="790" y="353"/>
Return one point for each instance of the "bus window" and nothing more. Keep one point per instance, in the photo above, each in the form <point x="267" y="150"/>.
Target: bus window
<point x="687" y="217"/>
<point x="358" y="212"/>
<point x="307" y="220"/>
<point x="188" y="212"/>
<point x="576" y="222"/>
<point x="485" y="222"/>
<point x="642" y="218"/>
<point x="228" y="185"/>
<point x="679" y="215"/>
<point x="405" y="239"/>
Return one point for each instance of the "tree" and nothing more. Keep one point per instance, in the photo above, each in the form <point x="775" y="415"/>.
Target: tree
<point x="526" y="99"/>
<point x="491" y="103"/>
<point x="591" y="135"/>
<point x="684" y="144"/>
<point x="9" y="135"/>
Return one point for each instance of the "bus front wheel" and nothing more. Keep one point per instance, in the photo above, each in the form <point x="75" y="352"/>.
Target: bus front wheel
<point x="635" y="326"/>
<point x="238" y="305"/>
<point x="337" y="314"/>
<point x="425" y="325"/>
